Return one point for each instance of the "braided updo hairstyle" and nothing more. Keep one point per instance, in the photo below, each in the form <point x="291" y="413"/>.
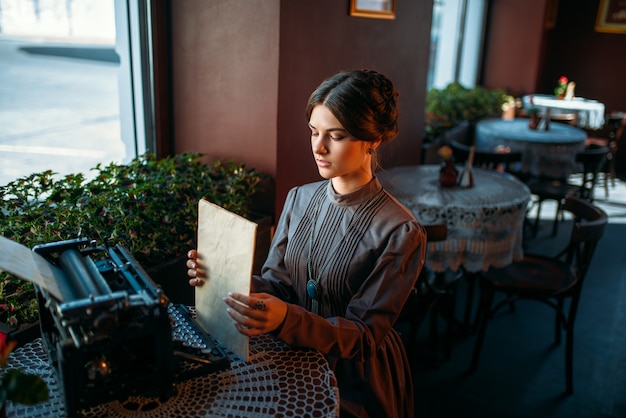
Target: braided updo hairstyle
<point x="363" y="101"/>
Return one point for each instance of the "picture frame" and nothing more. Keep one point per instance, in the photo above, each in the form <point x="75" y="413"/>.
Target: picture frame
<point x="377" y="9"/>
<point x="611" y="16"/>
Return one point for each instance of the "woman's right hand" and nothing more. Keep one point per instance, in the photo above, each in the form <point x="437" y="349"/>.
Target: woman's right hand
<point x="194" y="270"/>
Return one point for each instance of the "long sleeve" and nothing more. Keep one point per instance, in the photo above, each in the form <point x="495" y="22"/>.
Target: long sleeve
<point x="373" y="311"/>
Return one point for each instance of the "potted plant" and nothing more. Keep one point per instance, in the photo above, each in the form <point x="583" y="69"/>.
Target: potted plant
<point x="452" y="112"/>
<point x="149" y="206"/>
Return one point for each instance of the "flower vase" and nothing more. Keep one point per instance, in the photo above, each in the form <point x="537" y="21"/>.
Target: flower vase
<point x="534" y="121"/>
<point x="448" y="174"/>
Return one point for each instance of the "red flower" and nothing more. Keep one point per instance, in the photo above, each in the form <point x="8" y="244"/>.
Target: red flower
<point x="563" y="80"/>
<point x="5" y="348"/>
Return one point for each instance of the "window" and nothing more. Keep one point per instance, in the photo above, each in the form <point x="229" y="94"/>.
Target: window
<point x="72" y="94"/>
<point x="456" y="42"/>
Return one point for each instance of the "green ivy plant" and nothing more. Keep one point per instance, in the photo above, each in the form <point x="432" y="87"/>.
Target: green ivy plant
<point x="448" y="107"/>
<point x="148" y="205"/>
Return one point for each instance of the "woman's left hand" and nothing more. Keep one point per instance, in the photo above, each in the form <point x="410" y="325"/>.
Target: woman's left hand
<point x="256" y="314"/>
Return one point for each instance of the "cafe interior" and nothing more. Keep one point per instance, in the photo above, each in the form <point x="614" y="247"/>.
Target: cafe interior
<point x="230" y="79"/>
<point x="525" y="48"/>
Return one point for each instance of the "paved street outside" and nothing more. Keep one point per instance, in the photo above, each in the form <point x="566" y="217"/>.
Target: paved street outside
<point x="56" y="112"/>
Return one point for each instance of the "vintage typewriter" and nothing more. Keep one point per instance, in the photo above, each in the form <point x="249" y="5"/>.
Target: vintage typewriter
<point x="115" y="333"/>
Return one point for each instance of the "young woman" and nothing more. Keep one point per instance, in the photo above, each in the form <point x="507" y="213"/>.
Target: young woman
<point x="345" y="254"/>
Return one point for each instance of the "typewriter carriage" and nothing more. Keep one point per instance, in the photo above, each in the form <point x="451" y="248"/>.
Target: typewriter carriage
<point x="111" y="335"/>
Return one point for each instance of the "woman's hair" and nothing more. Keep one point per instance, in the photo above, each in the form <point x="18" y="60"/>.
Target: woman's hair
<point x="363" y="101"/>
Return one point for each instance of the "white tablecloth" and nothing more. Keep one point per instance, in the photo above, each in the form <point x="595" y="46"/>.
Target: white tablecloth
<point x="278" y="381"/>
<point x="485" y="222"/>
<point x="590" y="112"/>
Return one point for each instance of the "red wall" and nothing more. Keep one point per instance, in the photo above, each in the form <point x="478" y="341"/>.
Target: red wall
<point x="513" y="44"/>
<point x="242" y="72"/>
<point x="225" y="78"/>
<point x="525" y="56"/>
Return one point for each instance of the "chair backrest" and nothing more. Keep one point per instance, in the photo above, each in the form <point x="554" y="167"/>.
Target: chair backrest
<point x="615" y="122"/>
<point x="592" y="160"/>
<point x="589" y="224"/>
<point x="618" y="126"/>
<point x="501" y="161"/>
<point x="436" y="232"/>
<point x="425" y="283"/>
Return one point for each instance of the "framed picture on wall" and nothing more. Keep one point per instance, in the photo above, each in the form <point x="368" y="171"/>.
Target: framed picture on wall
<point x="611" y="16"/>
<point x="378" y="9"/>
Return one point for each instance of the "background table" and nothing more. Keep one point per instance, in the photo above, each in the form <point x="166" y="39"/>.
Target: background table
<point x="485" y="222"/>
<point x="278" y="381"/>
<point x="590" y="113"/>
<point x="549" y="153"/>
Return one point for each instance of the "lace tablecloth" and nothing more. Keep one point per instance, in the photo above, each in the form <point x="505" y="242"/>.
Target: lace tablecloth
<point x="484" y="222"/>
<point x="590" y="112"/>
<point x="279" y="381"/>
<point x="544" y="153"/>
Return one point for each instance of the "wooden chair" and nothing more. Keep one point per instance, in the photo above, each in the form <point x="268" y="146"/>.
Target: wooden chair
<point x="501" y="161"/>
<point x="591" y="159"/>
<point x="608" y="136"/>
<point x="551" y="280"/>
<point x="433" y="296"/>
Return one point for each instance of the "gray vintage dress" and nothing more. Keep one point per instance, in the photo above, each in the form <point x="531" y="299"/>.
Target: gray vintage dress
<point x="365" y="250"/>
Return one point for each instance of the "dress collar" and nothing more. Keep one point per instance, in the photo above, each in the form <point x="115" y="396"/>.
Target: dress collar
<point x="356" y="197"/>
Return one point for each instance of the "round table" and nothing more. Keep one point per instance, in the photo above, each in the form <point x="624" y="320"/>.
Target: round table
<point x="278" y="381"/>
<point x="485" y="222"/>
<point x="590" y="113"/>
<point x="550" y="153"/>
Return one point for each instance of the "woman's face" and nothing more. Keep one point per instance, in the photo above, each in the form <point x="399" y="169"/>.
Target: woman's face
<point x="339" y="156"/>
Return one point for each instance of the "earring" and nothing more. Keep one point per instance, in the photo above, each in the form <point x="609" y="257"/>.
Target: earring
<point x="370" y="151"/>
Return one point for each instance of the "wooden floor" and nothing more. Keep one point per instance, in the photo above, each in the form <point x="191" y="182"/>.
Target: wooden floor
<point x="521" y="373"/>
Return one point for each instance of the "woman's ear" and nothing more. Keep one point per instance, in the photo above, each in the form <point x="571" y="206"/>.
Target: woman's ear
<point x="371" y="146"/>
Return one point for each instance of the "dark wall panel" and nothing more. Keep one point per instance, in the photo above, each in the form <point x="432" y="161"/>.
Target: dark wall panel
<point x="524" y="55"/>
<point x="242" y="71"/>
<point x="596" y="61"/>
